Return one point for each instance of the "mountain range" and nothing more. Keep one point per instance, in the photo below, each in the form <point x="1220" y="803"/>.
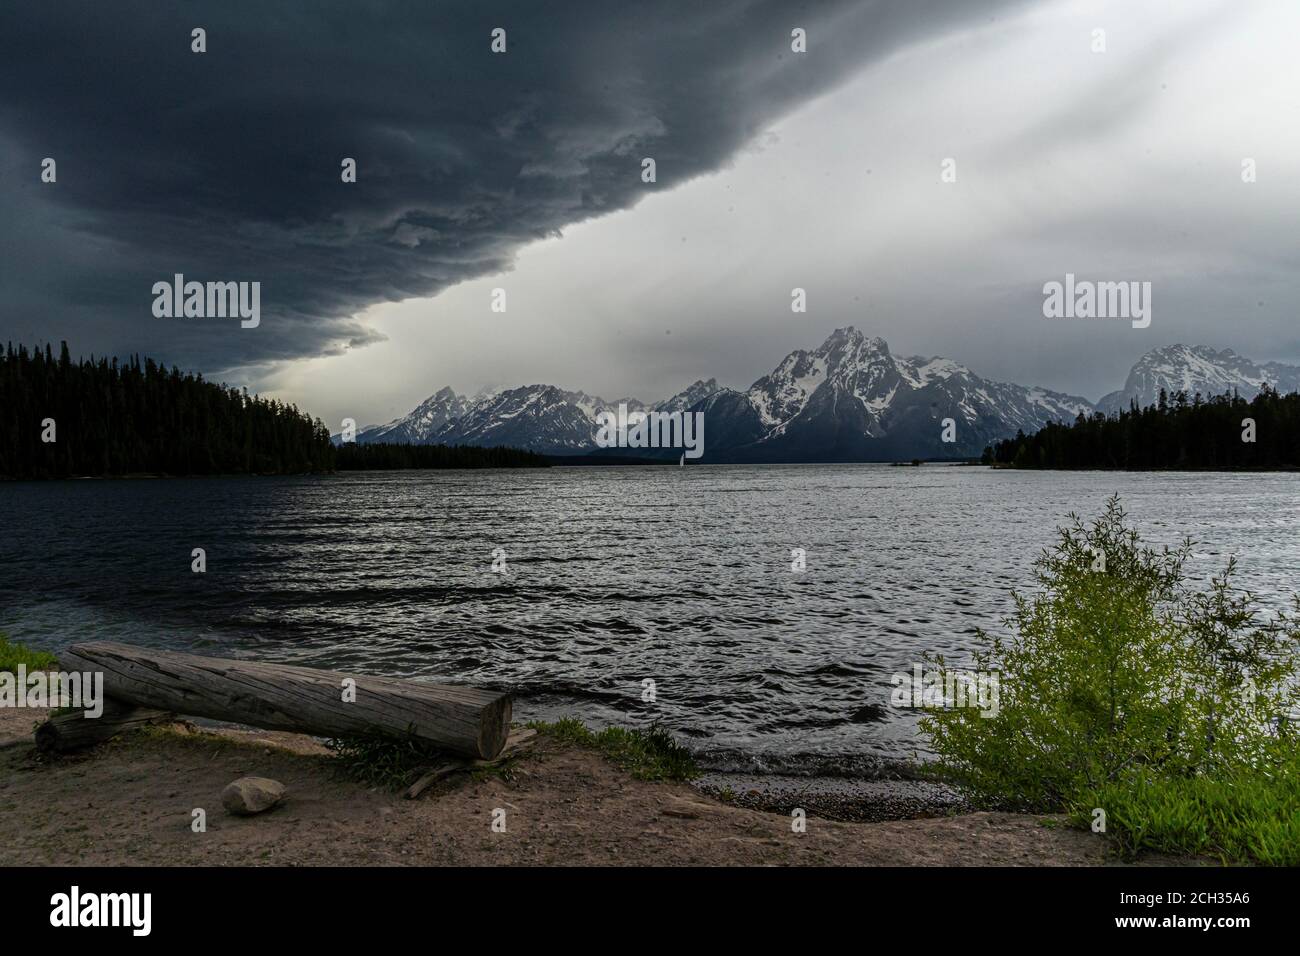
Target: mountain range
<point x="850" y="399"/>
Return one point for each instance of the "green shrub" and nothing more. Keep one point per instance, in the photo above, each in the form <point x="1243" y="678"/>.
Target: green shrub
<point x="1119" y="676"/>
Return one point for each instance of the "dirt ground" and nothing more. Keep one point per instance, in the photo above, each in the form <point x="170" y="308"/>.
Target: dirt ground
<point x="131" y="802"/>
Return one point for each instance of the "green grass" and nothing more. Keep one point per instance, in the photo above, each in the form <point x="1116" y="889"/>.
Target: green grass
<point x="649" y="754"/>
<point x="1244" y="819"/>
<point x="12" y="654"/>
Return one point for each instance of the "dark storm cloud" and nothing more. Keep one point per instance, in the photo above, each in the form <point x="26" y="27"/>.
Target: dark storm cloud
<point x="225" y="165"/>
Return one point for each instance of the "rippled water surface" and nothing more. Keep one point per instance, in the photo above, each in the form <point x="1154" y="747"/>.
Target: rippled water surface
<point x="613" y="576"/>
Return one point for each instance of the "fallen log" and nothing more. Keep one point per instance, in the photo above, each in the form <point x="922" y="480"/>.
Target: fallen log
<point x="66" y="732"/>
<point x="462" y="720"/>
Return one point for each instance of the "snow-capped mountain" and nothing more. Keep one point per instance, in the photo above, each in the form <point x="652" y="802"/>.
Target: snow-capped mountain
<point x="1196" y="368"/>
<point x="540" y="417"/>
<point x="851" y="399"/>
<point x="691" y="395"/>
<point x="421" y="424"/>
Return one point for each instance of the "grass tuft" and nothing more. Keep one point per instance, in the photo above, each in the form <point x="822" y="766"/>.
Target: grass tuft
<point x="649" y="754"/>
<point x="12" y="654"/>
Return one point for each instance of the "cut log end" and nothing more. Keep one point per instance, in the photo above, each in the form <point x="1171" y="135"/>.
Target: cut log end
<point x="495" y="728"/>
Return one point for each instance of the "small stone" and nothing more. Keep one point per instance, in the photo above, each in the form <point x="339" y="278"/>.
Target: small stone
<point x="250" y="795"/>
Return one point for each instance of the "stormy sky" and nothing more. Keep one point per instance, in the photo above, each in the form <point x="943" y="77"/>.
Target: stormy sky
<point x="522" y="171"/>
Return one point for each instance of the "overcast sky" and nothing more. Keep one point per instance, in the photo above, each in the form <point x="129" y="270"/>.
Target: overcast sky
<point x="522" y="171"/>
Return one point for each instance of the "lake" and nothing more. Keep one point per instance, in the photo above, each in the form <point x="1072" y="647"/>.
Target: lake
<point x="609" y="577"/>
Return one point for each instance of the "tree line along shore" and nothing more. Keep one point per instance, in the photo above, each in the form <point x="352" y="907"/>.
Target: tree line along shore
<point x="102" y="418"/>
<point x="105" y="418"/>
<point x="1223" y="432"/>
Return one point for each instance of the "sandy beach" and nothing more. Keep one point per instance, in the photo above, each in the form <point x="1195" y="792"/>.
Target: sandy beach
<point x="131" y="802"/>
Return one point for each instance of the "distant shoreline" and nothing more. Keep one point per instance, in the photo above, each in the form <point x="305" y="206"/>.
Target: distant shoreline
<point x="583" y="461"/>
<point x="1282" y="469"/>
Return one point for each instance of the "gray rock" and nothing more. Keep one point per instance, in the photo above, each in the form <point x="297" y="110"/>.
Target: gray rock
<point x="250" y="795"/>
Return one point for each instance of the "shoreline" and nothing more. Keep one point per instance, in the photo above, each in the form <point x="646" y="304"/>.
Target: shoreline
<point x="132" y="801"/>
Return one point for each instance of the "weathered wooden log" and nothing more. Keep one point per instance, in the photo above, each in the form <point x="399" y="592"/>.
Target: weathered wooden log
<point x="434" y="774"/>
<point x="66" y="732"/>
<point x="462" y="720"/>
